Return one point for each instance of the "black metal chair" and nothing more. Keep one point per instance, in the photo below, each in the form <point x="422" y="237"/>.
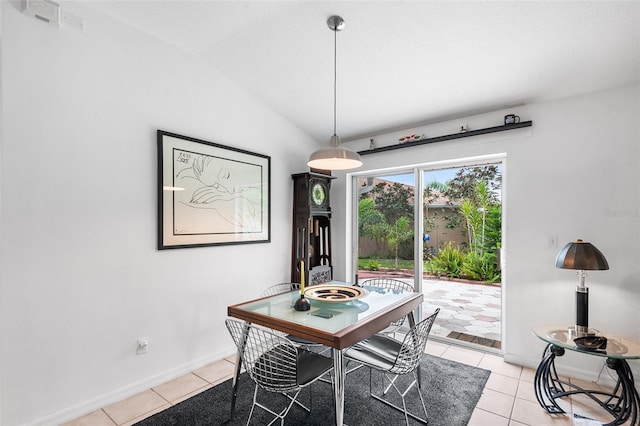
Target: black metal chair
<point x="276" y="365"/>
<point x="394" y="359"/>
<point x="394" y="285"/>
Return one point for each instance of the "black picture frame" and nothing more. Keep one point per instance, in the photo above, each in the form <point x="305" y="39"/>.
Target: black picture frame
<point x="210" y="194"/>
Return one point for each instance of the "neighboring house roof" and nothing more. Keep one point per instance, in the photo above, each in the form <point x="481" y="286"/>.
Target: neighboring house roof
<point x="437" y="198"/>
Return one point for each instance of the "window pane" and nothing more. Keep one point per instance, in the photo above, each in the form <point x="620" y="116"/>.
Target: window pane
<point x="386" y="225"/>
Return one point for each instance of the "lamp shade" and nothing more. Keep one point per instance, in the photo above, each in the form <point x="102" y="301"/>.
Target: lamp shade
<point x="334" y="157"/>
<point x="581" y="255"/>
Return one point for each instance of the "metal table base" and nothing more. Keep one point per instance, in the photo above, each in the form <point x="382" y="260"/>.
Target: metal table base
<point x="622" y="403"/>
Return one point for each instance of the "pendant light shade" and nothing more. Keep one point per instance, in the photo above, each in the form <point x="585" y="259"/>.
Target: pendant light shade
<point x="335" y="157"/>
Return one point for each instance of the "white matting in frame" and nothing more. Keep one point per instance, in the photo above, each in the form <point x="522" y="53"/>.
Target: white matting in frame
<point x="211" y="194"/>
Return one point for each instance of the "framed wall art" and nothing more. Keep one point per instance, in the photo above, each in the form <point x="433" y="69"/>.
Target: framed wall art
<point x="211" y="194"/>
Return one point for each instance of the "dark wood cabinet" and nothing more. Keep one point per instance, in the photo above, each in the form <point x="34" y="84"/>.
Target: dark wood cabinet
<point x="311" y="236"/>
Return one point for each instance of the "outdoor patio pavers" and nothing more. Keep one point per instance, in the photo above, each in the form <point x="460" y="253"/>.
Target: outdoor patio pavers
<point x="472" y="309"/>
<point x="467" y="309"/>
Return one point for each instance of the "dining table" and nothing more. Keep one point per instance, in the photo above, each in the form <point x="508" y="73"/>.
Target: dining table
<point x="335" y="323"/>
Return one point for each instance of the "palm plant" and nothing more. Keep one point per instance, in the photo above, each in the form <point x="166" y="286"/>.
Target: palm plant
<point x="398" y="233"/>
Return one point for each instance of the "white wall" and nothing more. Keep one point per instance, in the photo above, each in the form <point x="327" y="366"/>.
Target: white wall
<point x="574" y="173"/>
<point x="81" y="278"/>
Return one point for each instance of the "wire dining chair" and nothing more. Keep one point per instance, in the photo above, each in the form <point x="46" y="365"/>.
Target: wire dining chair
<point x="394" y="359"/>
<point x="278" y="289"/>
<point x="276" y="365"/>
<point x="394" y="285"/>
<point x="285" y="288"/>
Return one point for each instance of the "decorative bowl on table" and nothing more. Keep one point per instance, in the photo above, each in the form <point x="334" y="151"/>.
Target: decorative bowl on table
<point x="591" y="343"/>
<point x="334" y="293"/>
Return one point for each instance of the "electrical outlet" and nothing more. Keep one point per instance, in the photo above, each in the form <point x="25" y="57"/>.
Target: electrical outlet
<point x="45" y="10"/>
<point x="143" y="346"/>
<point x="553" y="241"/>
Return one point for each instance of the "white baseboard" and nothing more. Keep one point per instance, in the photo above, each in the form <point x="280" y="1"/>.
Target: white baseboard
<point x="605" y="379"/>
<point x="93" y="404"/>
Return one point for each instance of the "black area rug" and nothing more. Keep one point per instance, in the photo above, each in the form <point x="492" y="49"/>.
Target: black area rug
<point x="451" y="391"/>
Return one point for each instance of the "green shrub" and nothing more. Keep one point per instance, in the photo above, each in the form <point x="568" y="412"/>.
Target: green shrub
<point x="480" y="267"/>
<point x="448" y="262"/>
<point x="372" y="265"/>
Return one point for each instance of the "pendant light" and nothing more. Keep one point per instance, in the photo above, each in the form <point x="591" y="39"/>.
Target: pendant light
<point x="335" y="157"/>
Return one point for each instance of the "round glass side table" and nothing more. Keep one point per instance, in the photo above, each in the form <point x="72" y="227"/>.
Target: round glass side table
<point x="622" y="403"/>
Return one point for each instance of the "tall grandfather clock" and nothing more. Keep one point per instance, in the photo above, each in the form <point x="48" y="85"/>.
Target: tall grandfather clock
<point x="311" y="240"/>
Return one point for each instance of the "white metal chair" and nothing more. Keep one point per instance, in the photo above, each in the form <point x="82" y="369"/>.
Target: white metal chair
<point x="285" y="288"/>
<point x="394" y="285"/>
<point x="276" y="365"/>
<point x="394" y="359"/>
<point x="278" y="289"/>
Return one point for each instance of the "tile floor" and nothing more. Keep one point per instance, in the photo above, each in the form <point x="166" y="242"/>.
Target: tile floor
<point x="508" y="398"/>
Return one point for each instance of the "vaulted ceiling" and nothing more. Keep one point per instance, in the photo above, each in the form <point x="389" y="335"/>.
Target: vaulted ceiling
<point x="399" y="63"/>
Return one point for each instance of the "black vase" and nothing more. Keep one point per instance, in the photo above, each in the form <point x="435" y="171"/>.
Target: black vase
<point x="302" y="304"/>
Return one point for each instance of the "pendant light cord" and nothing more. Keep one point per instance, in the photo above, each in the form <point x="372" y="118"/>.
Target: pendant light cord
<point x="335" y="75"/>
<point x="335" y="157"/>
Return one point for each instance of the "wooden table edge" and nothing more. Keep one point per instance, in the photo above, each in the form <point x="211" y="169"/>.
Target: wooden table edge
<point x="341" y="339"/>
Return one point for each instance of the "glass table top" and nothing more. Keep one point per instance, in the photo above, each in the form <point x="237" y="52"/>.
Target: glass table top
<point x="326" y="316"/>
<point x="617" y="346"/>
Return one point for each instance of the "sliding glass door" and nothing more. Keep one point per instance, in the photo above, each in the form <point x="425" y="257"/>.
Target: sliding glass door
<point x="441" y="231"/>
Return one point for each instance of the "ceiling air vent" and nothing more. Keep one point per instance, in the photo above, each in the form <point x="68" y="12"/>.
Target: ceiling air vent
<point x="45" y="10"/>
